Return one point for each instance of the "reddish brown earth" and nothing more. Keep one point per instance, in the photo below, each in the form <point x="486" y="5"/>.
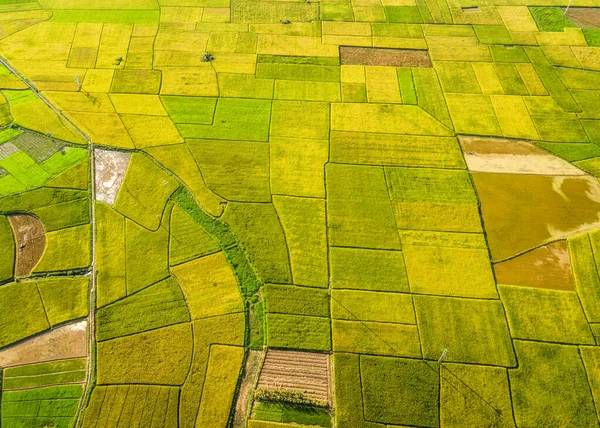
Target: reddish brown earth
<point x="68" y="341"/>
<point x="305" y="372"/>
<point x="548" y="266"/>
<point x="350" y="55"/>
<point x="30" y="239"/>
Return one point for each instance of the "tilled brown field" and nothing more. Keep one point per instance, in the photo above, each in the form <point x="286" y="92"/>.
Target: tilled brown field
<point x="30" y="238"/>
<point x="305" y="372"/>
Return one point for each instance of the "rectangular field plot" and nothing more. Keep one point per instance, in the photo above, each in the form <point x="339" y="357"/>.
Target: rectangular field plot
<point x="473" y="331"/>
<point x="44" y="406"/>
<point x="376" y="338"/>
<point x="362" y="191"/>
<point x="132" y="405"/>
<point x="383" y="376"/>
<point x="433" y="199"/>
<point x="304" y="224"/>
<point x="295" y="300"/>
<point x="297" y="371"/>
<point x="298" y="332"/>
<point x="352" y="305"/>
<point x="395" y="150"/>
<point x="366" y="269"/>
<point x="560" y="369"/>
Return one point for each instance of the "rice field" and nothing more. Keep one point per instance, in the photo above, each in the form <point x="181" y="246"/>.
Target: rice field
<point x="276" y="213"/>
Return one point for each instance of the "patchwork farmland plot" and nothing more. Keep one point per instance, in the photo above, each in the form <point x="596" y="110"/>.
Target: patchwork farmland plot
<point x="270" y="214"/>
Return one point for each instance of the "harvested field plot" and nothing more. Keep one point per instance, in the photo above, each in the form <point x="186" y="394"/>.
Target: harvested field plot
<point x="391" y="57"/>
<point x="297" y="371"/>
<point x="395" y="204"/>
<point x="30" y="242"/>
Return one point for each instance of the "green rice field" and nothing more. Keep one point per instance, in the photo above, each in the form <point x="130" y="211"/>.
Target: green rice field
<point x="299" y="213"/>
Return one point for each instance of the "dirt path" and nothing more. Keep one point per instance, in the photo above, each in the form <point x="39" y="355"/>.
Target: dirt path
<point x="249" y="380"/>
<point x="91" y="297"/>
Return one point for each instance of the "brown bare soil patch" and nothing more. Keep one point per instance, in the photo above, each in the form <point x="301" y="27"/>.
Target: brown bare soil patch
<point x="249" y="379"/>
<point x="584" y="17"/>
<point x="350" y="55"/>
<point x="521" y="212"/>
<point x="68" y="341"/>
<point x="512" y="157"/>
<point x="548" y="267"/>
<point x="30" y="239"/>
<point x="111" y="167"/>
<point x="305" y="372"/>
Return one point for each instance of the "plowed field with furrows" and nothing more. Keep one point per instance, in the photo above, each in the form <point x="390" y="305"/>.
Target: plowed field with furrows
<point x="298" y="371"/>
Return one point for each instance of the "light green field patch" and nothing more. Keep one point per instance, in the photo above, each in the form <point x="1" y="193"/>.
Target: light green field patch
<point x="198" y="110"/>
<point x="159" y="305"/>
<point x="109" y="255"/>
<point x="355" y="305"/>
<point x="501" y="53"/>
<point x="446" y="196"/>
<point x="307" y="72"/>
<point x="473" y="114"/>
<point x="294" y="300"/>
<point x="457" y="77"/>
<point x="560" y="129"/>
<point x="571" y="152"/>
<point x="297" y="166"/>
<point x="493" y="34"/>
<point x="475" y="395"/>
<point x="259" y="230"/>
<point x="64" y="159"/>
<point x="362" y="191"/>
<point x="64" y="299"/>
<point x="551" y="80"/>
<point x="304" y="225"/>
<point x="386" y="118"/>
<point x="7" y="256"/>
<point x="395" y="150"/>
<point x="407" y="86"/>
<point x="234" y="119"/>
<point x="22" y="313"/>
<point x="147" y="255"/>
<point x="66" y="214"/>
<point x="587" y="282"/>
<point x="66" y="249"/>
<point x="234" y="170"/>
<point x="365" y="269"/>
<point x="144" y="192"/>
<point x="187" y="239"/>
<point x="243" y="85"/>
<point x="473" y="331"/>
<point x="510" y="79"/>
<point x="307" y="91"/>
<point x="550" y="386"/>
<point x="25" y="170"/>
<point x="400" y="340"/>
<point x="300" y="118"/>
<point x="591" y="361"/>
<point x="545" y="315"/>
<point x="457" y="272"/>
<point x="298" y="332"/>
<point x="383" y="377"/>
